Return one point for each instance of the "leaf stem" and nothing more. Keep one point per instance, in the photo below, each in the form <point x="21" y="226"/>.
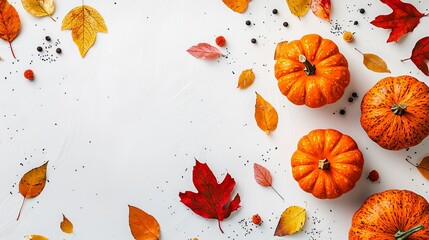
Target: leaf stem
<point x="359" y="51"/>
<point x="11" y="49"/>
<point x="414" y="165"/>
<point x="406" y="59"/>
<point x="52" y="18"/>
<point x="277" y="192"/>
<point x="218" y="223"/>
<point x="20" y="209"/>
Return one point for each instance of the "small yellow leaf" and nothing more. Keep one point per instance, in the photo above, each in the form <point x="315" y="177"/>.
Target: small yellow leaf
<point x="298" y="7"/>
<point x="423" y="167"/>
<point x="374" y="62"/>
<point x="143" y="225"/>
<point x="66" y="226"/>
<point x="246" y="79"/>
<point x="239" y="6"/>
<point x="39" y="8"/>
<point x="36" y="237"/>
<point x="291" y="221"/>
<point x="84" y="22"/>
<point x="265" y="115"/>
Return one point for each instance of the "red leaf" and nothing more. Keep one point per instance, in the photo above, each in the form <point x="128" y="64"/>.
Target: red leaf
<point x="204" y="51"/>
<point x="262" y="175"/>
<point x="212" y="199"/>
<point x="404" y="18"/>
<point x="321" y="8"/>
<point x="420" y="54"/>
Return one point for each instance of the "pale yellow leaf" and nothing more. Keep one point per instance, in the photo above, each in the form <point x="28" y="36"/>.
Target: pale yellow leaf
<point x="423" y="167"/>
<point x="374" y="62"/>
<point x="66" y="226"/>
<point x="265" y="115"/>
<point x="39" y="8"/>
<point x="246" y="79"/>
<point x="291" y="221"/>
<point x="36" y="237"/>
<point x="298" y="7"/>
<point x="84" y="22"/>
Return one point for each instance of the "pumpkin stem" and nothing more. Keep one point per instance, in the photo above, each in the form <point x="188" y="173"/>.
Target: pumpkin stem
<point x="400" y="235"/>
<point x="324" y="164"/>
<point x="310" y="69"/>
<point x="398" y="109"/>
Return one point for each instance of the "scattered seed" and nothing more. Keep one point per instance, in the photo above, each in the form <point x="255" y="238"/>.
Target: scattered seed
<point x="253" y="40"/>
<point x="39" y="48"/>
<point x="355" y="22"/>
<point x="285" y="24"/>
<point x="362" y="10"/>
<point x="342" y="111"/>
<point x="354" y="94"/>
<point x="47" y="38"/>
<point x="350" y="99"/>
<point x="275" y="11"/>
<point x="58" y="50"/>
<point x="248" y="22"/>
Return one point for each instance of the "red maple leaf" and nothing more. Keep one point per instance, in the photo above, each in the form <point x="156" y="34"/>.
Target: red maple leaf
<point x="404" y="18"/>
<point x="420" y="55"/>
<point x="212" y="199"/>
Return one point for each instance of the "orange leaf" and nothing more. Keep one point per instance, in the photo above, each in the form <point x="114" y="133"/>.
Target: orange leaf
<point x="32" y="183"/>
<point x="143" y="226"/>
<point x="239" y="6"/>
<point x="66" y="226"/>
<point x="36" y="237"/>
<point x="10" y="24"/>
<point x="423" y="167"/>
<point x="298" y="7"/>
<point x="265" y="115"/>
<point x="246" y="79"/>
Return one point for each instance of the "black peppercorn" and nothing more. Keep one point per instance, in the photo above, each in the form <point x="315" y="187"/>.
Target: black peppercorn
<point x="356" y="23"/>
<point x="362" y="10"/>
<point x="285" y="24"/>
<point x="47" y="38"/>
<point x="350" y="99"/>
<point x="342" y="111"/>
<point x="354" y="94"/>
<point x="275" y="11"/>
<point x="58" y="50"/>
<point x="39" y="48"/>
<point x="253" y="40"/>
<point x="248" y="22"/>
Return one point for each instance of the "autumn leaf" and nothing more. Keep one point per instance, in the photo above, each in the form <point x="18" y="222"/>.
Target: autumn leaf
<point x="204" y="51"/>
<point x="10" y="24"/>
<point x="263" y="177"/>
<point x="404" y="18"/>
<point x="298" y="7"/>
<point x="32" y="183"/>
<point x="374" y="62"/>
<point x="143" y="225"/>
<point x="212" y="199"/>
<point x="239" y="6"/>
<point x="420" y="55"/>
<point x="84" y="22"/>
<point x="39" y="8"/>
<point x="265" y="115"/>
<point x="36" y="237"/>
<point x="246" y="79"/>
<point x="291" y="221"/>
<point x="321" y="8"/>
<point x="423" y="167"/>
<point x="66" y="226"/>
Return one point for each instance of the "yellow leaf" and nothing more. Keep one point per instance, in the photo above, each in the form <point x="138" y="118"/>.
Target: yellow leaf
<point x="239" y="6"/>
<point x="298" y="7"/>
<point x="374" y="62"/>
<point x="39" y="8"/>
<point x="84" y="22"/>
<point x="265" y="115"/>
<point x="143" y="226"/>
<point x="66" y="226"/>
<point x="32" y="183"/>
<point x="36" y="237"/>
<point x="423" y="167"/>
<point x="291" y="221"/>
<point x="246" y="79"/>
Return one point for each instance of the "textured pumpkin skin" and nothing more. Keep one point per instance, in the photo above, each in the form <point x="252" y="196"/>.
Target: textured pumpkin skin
<point x="384" y="214"/>
<point x="328" y="83"/>
<point x="345" y="159"/>
<point x="392" y="131"/>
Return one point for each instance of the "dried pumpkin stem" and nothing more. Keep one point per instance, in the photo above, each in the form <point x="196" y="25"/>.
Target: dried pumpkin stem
<point x="400" y="235"/>
<point x="310" y="69"/>
<point x="324" y="164"/>
<point x="399" y="109"/>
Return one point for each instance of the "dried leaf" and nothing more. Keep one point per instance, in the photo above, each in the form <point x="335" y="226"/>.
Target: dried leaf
<point x="32" y="183"/>
<point x="36" y="237"/>
<point x="66" y="226"/>
<point x="265" y="115"/>
<point x="246" y="79"/>
<point x="374" y="62"/>
<point x="239" y="6"/>
<point x="212" y="199"/>
<point x="279" y="48"/>
<point x="204" y="51"/>
<point x="298" y="7"/>
<point x="423" y="167"/>
<point x="143" y="225"/>
<point x="263" y="177"/>
<point x="321" y="8"/>
<point x="10" y="24"/>
<point x="404" y="18"/>
<point x="84" y="22"/>
<point x="420" y="55"/>
<point x="39" y="8"/>
<point x="291" y="221"/>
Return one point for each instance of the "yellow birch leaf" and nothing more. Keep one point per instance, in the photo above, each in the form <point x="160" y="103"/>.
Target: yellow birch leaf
<point x="84" y="22"/>
<point x="32" y="183"/>
<point x="36" y="237"/>
<point x="374" y="62"/>
<point x="39" y="8"/>
<point x="239" y="6"/>
<point x="298" y="7"/>
<point x="66" y="226"/>
<point x="291" y="221"/>
<point x="423" y="167"/>
<point x="265" y="115"/>
<point x="246" y="79"/>
<point x="143" y="225"/>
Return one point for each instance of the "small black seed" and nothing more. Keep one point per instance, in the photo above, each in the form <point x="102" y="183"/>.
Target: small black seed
<point x="355" y="22"/>
<point x="285" y="24"/>
<point x="275" y="11"/>
<point x="39" y="48"/>
<point x="253" y="40"/>
<point x="248" y="22"/>
<point x="58" y="50"/>
<point x="354" y="94"/>
<point x="362" y="10"/>
<point x="47" y="38"/>
<point x="342" y="111"/>
<point x="350" y="99"/>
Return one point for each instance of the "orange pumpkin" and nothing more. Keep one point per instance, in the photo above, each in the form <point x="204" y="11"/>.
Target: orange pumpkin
<point x="395" y="112"/>
<point x="327" y="163"/>
<point x="311" y="71"/>
<point x="391" y="215"/>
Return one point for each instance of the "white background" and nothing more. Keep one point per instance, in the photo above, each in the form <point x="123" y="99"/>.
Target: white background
<point x="123" y="125"/>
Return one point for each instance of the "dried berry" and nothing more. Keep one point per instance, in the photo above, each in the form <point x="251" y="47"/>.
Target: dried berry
<point x="275" y="11"/>
<point x="373" y="176"/>
<point x="29" y="74"/>
<point x="354" y="94"/>
<point x="47" y="38"/>
<point x="256" y="219"/>
<point x="248" y="22"/>
<point x="342" y="111"/>
<point x="253" y="40"/>
<point x="355" y="22"/>
<point x="348" y="36"/>
<point x="220" y="41"/>
<point x="362" y="10"/>
<point x="285" y="24"/>
<point x="350" y="99"/>
<point x="58" y="50"/>
<point x="39" y="48"/>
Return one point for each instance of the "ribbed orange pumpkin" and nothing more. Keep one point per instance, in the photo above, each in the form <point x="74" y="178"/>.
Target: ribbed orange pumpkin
<point x="391" y="215"/>
<point x="311" y="71"/>
<point x="395" y="112"/>
<point x="327" y="163"/>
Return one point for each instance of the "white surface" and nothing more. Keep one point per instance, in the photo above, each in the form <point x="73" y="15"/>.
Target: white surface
<point x="123" y="125"/>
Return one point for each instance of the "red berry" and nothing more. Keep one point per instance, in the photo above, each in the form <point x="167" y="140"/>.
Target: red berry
<point x="373" y="176"/>
<point x="29" y="74"/>
<point x="220" y="41"/>
<point x="256" y="219"/>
